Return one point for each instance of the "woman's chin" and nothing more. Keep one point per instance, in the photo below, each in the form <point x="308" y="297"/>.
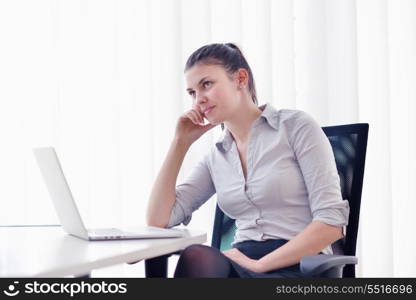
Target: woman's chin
<point x="214" y="122"/>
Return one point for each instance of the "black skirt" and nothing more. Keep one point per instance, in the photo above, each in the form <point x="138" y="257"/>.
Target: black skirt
<point x="258" y="249"/>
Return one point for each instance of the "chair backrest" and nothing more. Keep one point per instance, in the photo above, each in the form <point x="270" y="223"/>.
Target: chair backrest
<point x="349" y="144"/>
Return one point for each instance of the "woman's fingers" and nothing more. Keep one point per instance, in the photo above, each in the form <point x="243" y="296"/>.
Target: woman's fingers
<point x="208" y="126"/>
<point x="192" y="117"/>
<point x="201" y="117"/>
<point x="195" y="117"/>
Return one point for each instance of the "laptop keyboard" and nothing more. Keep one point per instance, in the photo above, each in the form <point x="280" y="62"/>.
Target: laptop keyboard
<point x="114" y="232"/>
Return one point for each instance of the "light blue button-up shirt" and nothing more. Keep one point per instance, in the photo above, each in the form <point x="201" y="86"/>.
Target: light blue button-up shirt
<point x="292" y="179"/>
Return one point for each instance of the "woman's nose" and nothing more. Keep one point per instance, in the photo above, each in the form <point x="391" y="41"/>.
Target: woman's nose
<point x="201" y="98"/>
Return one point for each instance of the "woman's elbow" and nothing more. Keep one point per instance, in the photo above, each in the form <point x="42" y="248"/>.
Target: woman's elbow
<point x="156" y="223"/>
<point x="333" y="232"/>
<point x="336" y="232"/>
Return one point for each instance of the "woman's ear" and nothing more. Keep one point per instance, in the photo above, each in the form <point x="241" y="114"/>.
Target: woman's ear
<point x="242" y="78"/>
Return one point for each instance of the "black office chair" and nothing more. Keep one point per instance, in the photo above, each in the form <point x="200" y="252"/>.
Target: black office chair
<point x="349" y="144"/>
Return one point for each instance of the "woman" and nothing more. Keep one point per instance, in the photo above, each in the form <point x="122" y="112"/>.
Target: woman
<point x="273" y="171"/>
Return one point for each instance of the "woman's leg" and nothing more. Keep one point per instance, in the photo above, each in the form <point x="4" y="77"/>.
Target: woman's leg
<point x="198" y="261"/>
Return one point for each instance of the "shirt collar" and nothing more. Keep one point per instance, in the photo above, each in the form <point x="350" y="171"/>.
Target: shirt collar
<point x="269" y="114"/>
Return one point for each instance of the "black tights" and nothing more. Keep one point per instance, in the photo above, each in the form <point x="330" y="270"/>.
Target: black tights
<point x="198" y="261"/>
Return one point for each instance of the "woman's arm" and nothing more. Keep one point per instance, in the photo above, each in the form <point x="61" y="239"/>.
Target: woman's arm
<point x="329" y="211"/>
<point x="314" y="238"/>
<point x="163" y="195"/>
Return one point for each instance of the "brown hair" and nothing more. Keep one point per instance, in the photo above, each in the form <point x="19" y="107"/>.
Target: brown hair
<point x="227" y="55"/>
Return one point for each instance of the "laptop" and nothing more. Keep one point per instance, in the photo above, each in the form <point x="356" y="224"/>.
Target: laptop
<point x="67" y="210"/>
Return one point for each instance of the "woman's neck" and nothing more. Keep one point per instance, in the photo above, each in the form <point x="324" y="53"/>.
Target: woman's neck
<point x="240" y="124"/>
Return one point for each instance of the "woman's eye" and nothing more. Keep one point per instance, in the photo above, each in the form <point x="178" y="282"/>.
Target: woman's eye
<point x="192" y="93"/>
<point x="207" y="83"/>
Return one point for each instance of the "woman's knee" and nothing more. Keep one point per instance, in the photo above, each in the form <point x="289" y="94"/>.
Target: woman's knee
<point x="195" y="251"/>
<point x="202" y="261"/>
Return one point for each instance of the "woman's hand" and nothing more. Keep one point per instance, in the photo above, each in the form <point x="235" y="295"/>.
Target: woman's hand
<point x="190" y="126"/>
<point x="244" y="261"/>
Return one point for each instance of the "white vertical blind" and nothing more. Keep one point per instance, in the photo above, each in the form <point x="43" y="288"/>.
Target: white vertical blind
<point x="402" y="108"/>
<point x="373" y="92"/>
<point x="342" y="83"/>
<point x="103" y="82"/>
<point x="282" y="62"/>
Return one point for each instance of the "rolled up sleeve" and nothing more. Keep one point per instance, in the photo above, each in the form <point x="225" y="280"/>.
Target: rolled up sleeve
<point x="317" y="163"/>
<point x="197" y="188"/>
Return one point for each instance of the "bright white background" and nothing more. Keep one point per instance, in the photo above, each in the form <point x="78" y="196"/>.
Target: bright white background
<point x="102" y="81"/>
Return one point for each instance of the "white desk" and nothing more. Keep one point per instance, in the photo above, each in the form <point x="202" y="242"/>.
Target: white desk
<point x="49" y="252"/>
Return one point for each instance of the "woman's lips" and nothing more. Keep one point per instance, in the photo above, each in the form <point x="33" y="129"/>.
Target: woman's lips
<point x="209" y="110"/>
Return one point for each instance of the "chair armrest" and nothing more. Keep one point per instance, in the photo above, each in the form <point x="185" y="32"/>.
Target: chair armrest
<point x="317" y="264"/>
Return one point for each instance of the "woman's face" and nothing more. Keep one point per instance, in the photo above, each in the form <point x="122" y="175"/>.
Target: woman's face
<point x="214" y="94"/>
